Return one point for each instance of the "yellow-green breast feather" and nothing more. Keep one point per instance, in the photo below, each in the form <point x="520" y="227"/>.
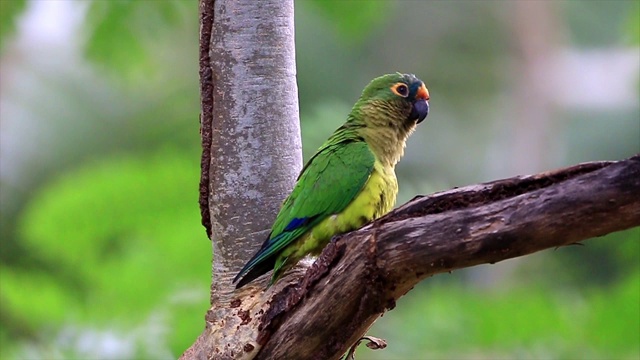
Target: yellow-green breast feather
<point x="377" y="197"/>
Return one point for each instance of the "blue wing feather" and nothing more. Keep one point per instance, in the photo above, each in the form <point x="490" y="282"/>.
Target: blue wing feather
<point x="296" y="223"/>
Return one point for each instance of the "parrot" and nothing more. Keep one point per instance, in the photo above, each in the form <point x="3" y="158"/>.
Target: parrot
<point x="349" y="181"/>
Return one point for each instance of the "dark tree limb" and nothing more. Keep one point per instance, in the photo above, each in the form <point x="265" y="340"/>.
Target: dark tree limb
<point x="360" y="275"/>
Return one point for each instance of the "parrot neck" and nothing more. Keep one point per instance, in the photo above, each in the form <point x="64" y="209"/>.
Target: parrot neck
<point x="387" y="146"/>
<point x="385" y="135"/>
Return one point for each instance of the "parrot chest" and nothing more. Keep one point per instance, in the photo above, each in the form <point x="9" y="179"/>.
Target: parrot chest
<point x="380" y="191"/>
<point x="378" y="196"/>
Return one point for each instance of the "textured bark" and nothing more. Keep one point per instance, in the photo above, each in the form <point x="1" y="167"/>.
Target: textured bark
<point x="251" y="146"/>
<point x="254" y="148"/>
<point x="206" y="110"/>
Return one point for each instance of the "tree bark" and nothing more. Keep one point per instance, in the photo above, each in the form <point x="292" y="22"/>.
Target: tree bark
<point x="251" y="149"/>
<point x="251" y="154"/>
<point x="250" y="127"/>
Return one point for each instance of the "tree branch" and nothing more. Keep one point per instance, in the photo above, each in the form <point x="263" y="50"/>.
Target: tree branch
<point x="360" y="275"/>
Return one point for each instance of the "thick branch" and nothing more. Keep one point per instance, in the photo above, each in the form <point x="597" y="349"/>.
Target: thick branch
<point x="360" y="275"/>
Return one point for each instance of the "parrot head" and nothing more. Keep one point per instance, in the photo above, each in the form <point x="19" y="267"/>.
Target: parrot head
<point x="402" y="97"/>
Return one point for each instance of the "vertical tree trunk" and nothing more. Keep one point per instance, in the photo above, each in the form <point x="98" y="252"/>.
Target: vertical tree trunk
<point x="251" y="139"/>
<point x="255" y="152"/>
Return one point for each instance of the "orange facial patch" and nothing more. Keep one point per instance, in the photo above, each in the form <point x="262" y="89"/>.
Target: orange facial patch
<point x="422" y="93"/>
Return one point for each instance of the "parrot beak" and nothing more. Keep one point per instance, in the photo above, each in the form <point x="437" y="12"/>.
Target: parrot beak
<point x="420" y="110"/>
<point x="420" y="107"/>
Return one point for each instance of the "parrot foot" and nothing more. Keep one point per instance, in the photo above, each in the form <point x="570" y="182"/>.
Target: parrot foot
<point x="373" y="344"/>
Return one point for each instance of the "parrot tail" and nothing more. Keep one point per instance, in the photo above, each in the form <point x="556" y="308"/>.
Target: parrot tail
<point x="258" y="270"/>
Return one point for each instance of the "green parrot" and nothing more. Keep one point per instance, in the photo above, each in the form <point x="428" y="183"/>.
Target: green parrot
<point x="349" y="181"/>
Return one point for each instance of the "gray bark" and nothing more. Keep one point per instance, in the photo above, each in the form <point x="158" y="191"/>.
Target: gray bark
<point x="250" y="109"/>
<point x="251" y="147"/>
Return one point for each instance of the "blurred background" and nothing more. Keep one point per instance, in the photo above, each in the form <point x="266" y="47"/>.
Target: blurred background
<point x="103" y="255"/>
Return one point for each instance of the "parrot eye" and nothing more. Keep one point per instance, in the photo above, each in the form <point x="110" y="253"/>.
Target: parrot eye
<point x="400" y="89"/>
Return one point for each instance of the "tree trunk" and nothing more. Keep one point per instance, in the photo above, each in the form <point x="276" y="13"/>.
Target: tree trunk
<point x="251" y="146"/>
<point x="250" y="131"/>
<point x="251" y="154"/>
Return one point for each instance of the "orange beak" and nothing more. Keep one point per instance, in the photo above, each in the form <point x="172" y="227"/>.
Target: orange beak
<point x="420" y="106"/>
<point x="422" y="93"/>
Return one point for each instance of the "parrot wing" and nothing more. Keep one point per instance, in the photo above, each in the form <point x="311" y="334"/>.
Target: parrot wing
<point x="331" y="179"/>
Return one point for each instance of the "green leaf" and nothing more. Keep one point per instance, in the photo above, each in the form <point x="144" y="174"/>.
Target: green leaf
<point x="9" y="11"/>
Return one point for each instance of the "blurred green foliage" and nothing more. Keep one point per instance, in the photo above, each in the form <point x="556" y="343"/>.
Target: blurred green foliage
<point x="632" y="24"/>
<point x="530" y="321"/>
<point x="353" y="20"/>
<point x="592" y="29"/>
<point x="103" y="255"/>
<point x="122" y="33"/>
<point x="122" y="240"/>
<point x="9" y="10"/>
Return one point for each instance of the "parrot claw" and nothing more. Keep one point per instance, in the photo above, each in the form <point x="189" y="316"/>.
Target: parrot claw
<point x="373" y="344"/>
